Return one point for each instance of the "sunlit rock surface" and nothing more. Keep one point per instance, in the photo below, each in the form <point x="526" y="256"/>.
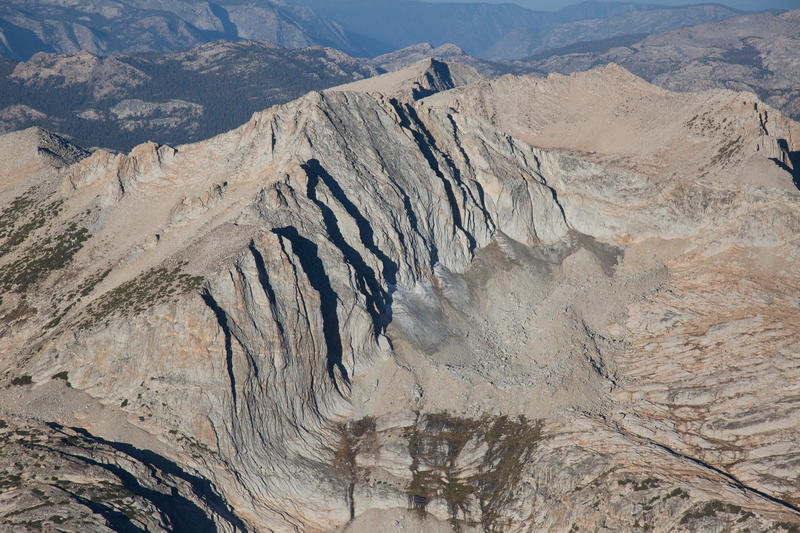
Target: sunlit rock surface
<point x="360" y="311"/>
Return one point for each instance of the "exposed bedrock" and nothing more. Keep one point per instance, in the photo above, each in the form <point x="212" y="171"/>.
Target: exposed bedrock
<point x="358" y="313"/>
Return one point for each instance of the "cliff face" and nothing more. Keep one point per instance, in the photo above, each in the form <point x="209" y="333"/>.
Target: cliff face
<point x="363" y="312"/>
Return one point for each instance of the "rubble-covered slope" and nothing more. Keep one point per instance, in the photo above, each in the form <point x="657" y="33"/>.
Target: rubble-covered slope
<point x="358" y="313"/>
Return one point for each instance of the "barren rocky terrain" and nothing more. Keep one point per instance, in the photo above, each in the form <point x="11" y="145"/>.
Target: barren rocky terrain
<point x="425" y="302"/>
<point x="754" y="52"/>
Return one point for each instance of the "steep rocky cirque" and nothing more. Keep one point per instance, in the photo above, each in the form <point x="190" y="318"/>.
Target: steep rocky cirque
<point x="360" y="312"/>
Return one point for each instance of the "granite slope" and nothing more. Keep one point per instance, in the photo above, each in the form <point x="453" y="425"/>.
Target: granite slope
<point x="359" y="311"/>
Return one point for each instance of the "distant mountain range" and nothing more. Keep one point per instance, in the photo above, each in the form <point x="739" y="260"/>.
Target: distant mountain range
<point x="106" y="27"/>
<point x="603" y="25"/>
<point x="502" y="31"/>
<point x="178" y="97"/>
<point x="363" y="28"/>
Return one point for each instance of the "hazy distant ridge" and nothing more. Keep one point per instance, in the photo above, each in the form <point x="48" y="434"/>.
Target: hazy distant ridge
<point x="364" y="28"/>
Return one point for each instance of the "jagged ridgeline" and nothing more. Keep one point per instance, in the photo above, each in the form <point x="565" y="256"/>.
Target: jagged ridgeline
<point x="381" y="307"/>
<point x="118" y="102"/>
<point x="173" y="97"/>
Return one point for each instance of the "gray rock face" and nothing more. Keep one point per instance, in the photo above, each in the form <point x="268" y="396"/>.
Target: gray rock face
<point x="358" y="310"/>
<point x="405" y="57"/>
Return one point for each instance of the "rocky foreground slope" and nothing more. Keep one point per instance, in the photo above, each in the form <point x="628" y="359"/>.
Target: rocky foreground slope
<point x="359" y="312"/>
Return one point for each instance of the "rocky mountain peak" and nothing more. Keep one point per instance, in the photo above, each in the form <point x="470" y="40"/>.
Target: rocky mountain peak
<point x="424" y="78"/>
